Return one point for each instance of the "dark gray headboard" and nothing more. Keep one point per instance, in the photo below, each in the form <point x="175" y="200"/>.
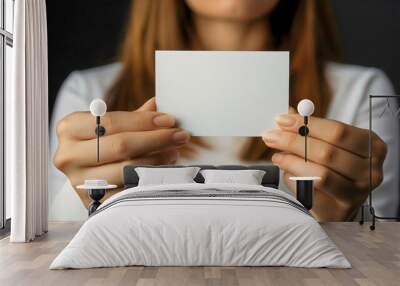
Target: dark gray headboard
<point x="271" y="177"/>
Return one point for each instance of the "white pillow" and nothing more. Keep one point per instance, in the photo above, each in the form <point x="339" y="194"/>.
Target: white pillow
<point x="248" y="177"/>
<point x="163" y="176"/>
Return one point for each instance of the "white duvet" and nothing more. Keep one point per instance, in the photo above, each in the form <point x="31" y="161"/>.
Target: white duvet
<point x="188" y="231"/>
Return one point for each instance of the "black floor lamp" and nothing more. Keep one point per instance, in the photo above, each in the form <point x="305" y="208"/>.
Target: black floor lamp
<point x="96" y="188"/>
<point x="304" y="185"/>
<point x="370" y="203"/>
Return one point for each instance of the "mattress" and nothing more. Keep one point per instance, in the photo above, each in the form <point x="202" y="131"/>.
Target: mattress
<point x="201" y="225"/>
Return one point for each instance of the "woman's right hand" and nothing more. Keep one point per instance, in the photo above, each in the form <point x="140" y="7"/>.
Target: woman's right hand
<point x="140" y="137"/>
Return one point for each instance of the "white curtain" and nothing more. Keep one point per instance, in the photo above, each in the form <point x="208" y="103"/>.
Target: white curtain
<point x="27" y="123"/>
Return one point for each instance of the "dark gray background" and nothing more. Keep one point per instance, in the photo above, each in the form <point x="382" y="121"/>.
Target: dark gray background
<point x="86" y="33"/>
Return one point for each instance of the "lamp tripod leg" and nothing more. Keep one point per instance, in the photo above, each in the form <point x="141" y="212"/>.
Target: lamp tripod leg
<point x="98" y="144"/>
<point x="362" y="215"/>
<point x="372" y="210"/>
<point x="305" y="148"/>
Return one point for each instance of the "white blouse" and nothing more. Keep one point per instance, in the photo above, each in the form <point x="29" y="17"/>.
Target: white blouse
<point x="350" y="86"/>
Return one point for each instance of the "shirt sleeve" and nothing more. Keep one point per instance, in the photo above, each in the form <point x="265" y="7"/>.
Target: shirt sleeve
<point x="385" y="124"/>
<point x="72" y="97"/>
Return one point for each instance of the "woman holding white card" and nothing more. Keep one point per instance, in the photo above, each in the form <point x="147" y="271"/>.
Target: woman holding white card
<point x="138" y="134"/>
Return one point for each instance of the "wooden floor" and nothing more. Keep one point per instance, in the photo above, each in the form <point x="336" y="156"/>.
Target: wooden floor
<point x="375" y="257"/>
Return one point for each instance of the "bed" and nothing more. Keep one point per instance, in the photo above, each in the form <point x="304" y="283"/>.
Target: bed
<point x="201" y="224"/>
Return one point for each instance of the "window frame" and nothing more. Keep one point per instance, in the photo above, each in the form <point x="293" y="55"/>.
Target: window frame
<point x="6" y="39"/>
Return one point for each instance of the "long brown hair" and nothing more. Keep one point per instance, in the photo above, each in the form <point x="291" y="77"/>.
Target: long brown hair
<point x="304" y="27"/>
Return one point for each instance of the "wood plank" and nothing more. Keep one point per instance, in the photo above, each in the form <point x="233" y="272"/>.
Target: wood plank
<point x="375" y="257"/>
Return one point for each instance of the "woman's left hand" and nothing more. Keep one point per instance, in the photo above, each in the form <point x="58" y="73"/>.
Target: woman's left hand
<point x="338" y="153"/>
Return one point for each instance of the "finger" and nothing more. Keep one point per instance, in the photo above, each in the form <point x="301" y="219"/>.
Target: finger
<point x="292" y="110"/>
<point x="121" y="146"/>
<point x="82" y="125"/>
<point x="339" y="160"/>
<point x="339" y="187"/>
<point x="149" y="105"/>
<point x="163" y="157"/>
<point x="320" y="201"/>
<point x="350" y="138"/>
<point x="113" y="172"/>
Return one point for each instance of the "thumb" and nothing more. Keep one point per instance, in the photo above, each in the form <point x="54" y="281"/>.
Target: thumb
<point x="292" y="110"/>
<point x="149" y="105"/>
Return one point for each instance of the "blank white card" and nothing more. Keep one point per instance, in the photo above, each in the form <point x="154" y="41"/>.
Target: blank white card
<point x="223" y="93"/>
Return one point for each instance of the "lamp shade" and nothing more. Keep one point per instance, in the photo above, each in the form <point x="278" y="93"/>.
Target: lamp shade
<point x="305" y="107"/>
<point x="98" y="107"/>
